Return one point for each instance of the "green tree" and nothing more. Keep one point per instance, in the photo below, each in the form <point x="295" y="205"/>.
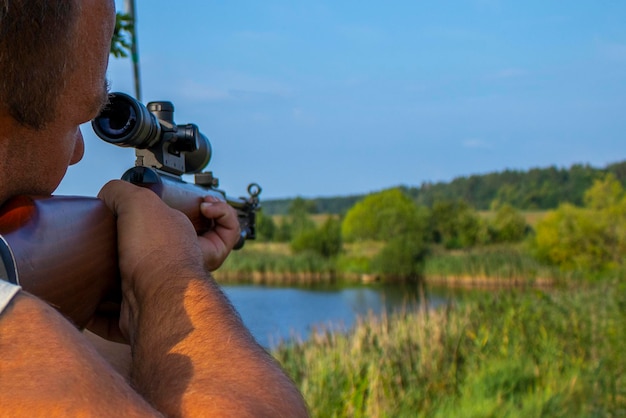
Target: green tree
<point x="325" y="240"/>
<point x="299" y="218"/>
<point x="296" y="222"/>
<point x="265" y="227"/>
<point x="300" y="205"/>
<point x="121" y="42"/>
<point x="572" y="238"/>
<point x="384" y="215"/>
<point x="402" y="258"/>
<point x="588" y="238"/>
<point x="456" y="224"/>
<point x="607" y="198"/>
<point x="393" y="217"/>
<point x="508" y="225"/>
<point x="604" y="193"/>
<point x="283" y="231"/>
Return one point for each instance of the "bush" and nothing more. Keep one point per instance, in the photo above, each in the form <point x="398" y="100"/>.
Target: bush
<point x="401" y="258"/>
<point x="457" y="225"/>
<point x="265" y="227"/>
<point x="325" y="240"/>
<point x="383" y="216"/>
<point x="508" y="225"/>
<point x="591" y="238"/>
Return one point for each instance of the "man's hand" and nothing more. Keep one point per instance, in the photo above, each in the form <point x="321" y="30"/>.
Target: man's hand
<point x="154" y="239"/>
<point x="155" y="244"/>
<point x="218" y="242"/>
<point x="191" y="353"/>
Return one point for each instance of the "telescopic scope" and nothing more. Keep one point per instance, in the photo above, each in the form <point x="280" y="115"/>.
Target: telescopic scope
<point x="126" y="122"/>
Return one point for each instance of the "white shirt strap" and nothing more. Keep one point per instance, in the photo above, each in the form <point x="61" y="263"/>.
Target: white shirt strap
<point x="7" y="292"/>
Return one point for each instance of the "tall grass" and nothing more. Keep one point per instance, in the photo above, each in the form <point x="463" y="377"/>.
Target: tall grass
<point x="503" y="262"/>
<point x="505" y="354"/>
<point x="274" y="262"/>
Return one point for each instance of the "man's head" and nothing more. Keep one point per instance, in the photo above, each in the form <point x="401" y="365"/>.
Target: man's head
<point x="35" y="37"/>
<point x="53" y="59"/>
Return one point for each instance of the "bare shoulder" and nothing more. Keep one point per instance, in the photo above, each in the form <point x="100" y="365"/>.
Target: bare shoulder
<point x="54" y="371"/>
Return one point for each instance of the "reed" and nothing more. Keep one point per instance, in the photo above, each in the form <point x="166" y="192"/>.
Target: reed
<point x="503" y="263"/>
<point x="506" y="353"/>
<point x="495" y="265"/>
<point x="273" y="264"/>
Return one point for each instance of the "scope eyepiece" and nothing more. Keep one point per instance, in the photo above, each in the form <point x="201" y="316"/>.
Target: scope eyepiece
<point x="158" y="141"/>
<point x="127" y="123"/>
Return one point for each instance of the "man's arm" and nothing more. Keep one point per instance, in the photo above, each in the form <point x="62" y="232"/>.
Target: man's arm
<point x="191" y="354"/>
<point x="48" y="369"/>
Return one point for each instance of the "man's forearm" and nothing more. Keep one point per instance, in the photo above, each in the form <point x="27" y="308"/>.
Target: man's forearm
<point x="207" y="361"/>
<point x="53" y="370"/>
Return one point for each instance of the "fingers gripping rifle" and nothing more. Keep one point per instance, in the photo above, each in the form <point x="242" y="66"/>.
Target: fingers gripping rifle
<point x="165" y="151"/>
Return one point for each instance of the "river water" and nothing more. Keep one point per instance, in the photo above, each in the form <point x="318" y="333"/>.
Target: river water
<point x="275" y="314"/>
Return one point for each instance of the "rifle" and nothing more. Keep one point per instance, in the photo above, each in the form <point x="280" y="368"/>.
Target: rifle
<point x="63" y="249"/>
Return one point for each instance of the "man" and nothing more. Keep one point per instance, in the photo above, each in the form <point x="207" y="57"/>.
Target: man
<point x="191" y="355"/>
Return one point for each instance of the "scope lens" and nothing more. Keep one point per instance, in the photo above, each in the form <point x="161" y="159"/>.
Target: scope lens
<point x="117" y="121"/>
<point x="125" y="122"/>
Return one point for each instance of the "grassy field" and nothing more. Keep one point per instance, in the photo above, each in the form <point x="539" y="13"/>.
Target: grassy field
<point x="505" y="354"/>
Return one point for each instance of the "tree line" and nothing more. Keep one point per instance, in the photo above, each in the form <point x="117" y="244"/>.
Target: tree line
<point x="535" y="189"/>
<point x="589" y="237"/>
<point x="405" y="231"/>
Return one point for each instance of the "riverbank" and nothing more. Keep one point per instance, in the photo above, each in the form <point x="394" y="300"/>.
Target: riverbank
<point x="467" y="281"/>
<point x="505" y="353"/>
<point x="319" y="279"/>
<point x="493" y="266"/>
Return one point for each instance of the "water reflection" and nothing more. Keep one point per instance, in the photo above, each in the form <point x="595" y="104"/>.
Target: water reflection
<point x="273" y="314"/>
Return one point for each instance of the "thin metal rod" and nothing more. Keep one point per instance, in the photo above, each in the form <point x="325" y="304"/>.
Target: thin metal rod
<point x="130" y="10"/>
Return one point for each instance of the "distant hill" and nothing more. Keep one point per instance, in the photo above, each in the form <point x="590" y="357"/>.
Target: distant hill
<point x="535" y="189"/>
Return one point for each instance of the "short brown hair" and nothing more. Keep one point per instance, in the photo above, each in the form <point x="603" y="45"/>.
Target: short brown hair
<point x="35" y="55"/>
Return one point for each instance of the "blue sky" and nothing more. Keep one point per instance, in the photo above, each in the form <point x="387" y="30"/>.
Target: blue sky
<point x="332" y="98"/>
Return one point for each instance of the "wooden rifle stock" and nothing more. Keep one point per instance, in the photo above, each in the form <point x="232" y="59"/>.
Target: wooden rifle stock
<point x="63" y="249"/>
